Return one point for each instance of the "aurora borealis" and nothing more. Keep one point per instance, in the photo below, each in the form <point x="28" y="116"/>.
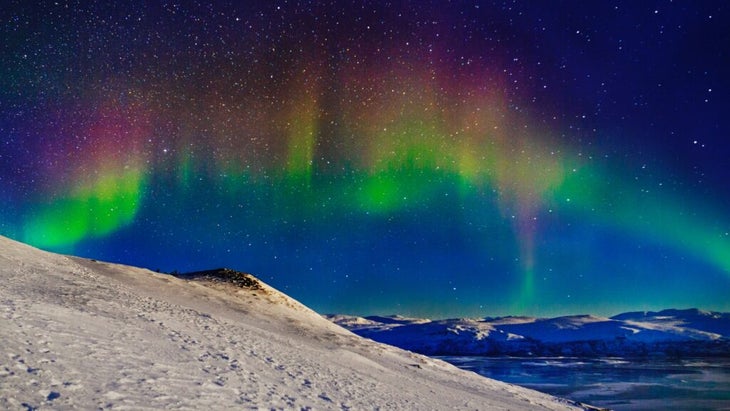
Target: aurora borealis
<point x="424" y="158"/>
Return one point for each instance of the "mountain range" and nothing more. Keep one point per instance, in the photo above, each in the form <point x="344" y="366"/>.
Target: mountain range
<point x="672" y="332"/>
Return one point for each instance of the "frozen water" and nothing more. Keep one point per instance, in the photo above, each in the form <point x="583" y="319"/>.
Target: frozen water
<point x="616" y="383"/>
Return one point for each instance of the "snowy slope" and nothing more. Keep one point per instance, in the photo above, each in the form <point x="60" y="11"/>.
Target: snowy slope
<point x="82" y="334"/>
<point x="670" y="332"/>
<point x="710" y="322"/>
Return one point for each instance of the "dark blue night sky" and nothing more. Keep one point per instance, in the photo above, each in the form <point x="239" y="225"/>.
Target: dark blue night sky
<point x="427" y="158"/>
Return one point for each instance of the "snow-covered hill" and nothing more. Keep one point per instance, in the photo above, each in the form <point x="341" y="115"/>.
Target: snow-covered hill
<point x="82" y="334"/>
<point x="669" y="332"/>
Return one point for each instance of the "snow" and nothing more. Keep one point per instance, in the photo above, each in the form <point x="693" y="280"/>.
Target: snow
<point x="78" y="333"/>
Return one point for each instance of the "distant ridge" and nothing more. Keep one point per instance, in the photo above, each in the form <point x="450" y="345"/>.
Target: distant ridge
<point x="670" y="311"/>
<point x="671" y="333"/>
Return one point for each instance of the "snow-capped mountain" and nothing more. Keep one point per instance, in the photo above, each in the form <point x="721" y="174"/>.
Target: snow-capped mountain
<point x="82" y="334"/>
<point x="638" y="334"/>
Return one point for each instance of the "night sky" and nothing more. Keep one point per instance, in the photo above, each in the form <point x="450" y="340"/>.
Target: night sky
<point x="430" y="158"/>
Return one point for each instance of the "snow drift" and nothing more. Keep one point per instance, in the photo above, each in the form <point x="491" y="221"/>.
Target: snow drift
<point x="669" y="333"/>
<point x="78" y="333"/>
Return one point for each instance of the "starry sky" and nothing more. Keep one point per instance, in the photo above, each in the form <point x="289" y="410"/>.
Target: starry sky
<point x="431" y="158"/>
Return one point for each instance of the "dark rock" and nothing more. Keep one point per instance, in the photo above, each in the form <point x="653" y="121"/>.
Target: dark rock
<point x="227" y="275"/>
